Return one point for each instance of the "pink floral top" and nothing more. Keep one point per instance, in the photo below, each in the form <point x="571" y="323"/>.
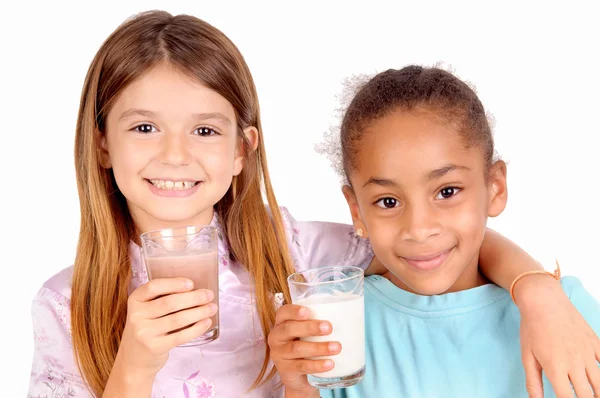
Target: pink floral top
<point x="226" y="367"/>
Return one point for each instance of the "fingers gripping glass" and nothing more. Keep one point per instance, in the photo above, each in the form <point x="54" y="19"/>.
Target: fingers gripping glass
<point x="335" y="294"/>
<point x="188" y="252"/>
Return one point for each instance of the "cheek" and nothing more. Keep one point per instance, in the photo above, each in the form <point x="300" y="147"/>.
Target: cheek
<point x="384" y="248"/>
<point x="468" y="220"/>
<point x="382" y="235"/>
<point x="117" y="151"/>
<point x="218" y="159"/>
<point x="126" y="163"/>
<point x="130" y="158"/>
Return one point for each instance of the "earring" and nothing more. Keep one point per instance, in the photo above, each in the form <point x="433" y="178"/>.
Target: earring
<point x="359" y="232"/>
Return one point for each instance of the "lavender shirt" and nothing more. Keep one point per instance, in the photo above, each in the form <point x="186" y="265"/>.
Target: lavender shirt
<point x="226" y="367"/>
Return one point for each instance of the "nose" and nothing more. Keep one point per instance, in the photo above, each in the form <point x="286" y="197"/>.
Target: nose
<point x="419" y="224"/>
<point x="175" y="149"/>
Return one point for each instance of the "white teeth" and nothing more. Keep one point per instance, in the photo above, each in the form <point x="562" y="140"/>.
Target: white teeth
<point x="173" y="185"/>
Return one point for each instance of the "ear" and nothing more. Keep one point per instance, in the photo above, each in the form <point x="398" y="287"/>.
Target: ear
<point x="103" y="154"/>
<point x="251" y="134"/>
<point x="354" y="210"/>
<point x="497" y="189"/>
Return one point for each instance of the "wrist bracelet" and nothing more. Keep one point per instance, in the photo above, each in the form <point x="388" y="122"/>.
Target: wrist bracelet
<point x="555" y="275"/>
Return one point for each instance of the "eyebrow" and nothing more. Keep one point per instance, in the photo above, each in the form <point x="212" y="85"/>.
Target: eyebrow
<point x="384" y="182"/>
<point x="432" y="175"/>
<point x="213" y="115"/>
<point x="132" y="112"/>
<point x="200" y="116"/>
<point x="442" y="171"/>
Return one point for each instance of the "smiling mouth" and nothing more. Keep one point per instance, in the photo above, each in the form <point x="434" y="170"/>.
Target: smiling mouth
<point x="169" y="185"/>
<point x="428" y="262"/>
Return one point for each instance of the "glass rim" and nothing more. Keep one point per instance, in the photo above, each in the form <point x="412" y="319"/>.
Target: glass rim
<point x="185" y="231"/>
<point x="361" y="273"/>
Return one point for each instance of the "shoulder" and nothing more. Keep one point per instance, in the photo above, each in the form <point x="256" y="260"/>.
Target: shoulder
<point x="58" y="286"/>
<point x="288" y="219"/>
<point x="584" y="301"/>
<point x="316" y="229"/>
<point x="573" y="286"/>
<point x="51" y="308"/>
<point x="320" y="243"/>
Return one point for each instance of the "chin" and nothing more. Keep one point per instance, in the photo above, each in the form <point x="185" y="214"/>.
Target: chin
<point x="178" y="219"/>
<point x="430" y="288"/>
<point x="431" y="291"/>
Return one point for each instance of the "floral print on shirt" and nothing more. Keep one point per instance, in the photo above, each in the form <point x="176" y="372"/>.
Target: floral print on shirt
<point x="198" y="387"/>
<point x="224" y="368"/>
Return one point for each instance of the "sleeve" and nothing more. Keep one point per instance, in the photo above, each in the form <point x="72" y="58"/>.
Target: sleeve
<point x="54" y="372"/>
<point x="316" y="244"/>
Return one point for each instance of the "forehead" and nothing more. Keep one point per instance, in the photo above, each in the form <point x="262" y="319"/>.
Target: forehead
<point x="412" y="143"/>
<point x="164" y="89"/>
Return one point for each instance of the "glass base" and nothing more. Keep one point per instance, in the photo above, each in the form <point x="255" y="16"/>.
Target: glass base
<point x="210" y="335"/>
<point x="337" y="382"/>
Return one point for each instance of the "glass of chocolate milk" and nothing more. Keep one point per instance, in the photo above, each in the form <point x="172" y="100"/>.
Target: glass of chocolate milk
<point x="188" y="252"/>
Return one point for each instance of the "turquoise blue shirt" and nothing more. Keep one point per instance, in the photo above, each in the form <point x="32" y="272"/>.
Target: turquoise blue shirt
<point x="459" y="345"/>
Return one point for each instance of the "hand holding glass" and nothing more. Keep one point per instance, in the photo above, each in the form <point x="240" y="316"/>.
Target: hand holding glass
<point x="188" y="252"/>
<point x="335" y="294"/>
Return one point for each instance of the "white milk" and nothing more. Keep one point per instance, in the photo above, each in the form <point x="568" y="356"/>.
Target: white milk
<point x="347" y="316"/>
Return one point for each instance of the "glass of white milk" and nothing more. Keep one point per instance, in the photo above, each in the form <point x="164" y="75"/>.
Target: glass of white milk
<point x="335" y="294"/>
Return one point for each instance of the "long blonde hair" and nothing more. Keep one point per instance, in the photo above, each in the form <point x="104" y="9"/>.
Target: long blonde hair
<point x="102" y="268"/>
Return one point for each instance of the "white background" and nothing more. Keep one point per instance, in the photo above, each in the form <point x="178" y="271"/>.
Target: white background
<point x="534" y="66"/>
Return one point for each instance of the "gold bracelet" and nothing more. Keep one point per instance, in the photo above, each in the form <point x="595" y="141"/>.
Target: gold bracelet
<point x="555" y="275"/>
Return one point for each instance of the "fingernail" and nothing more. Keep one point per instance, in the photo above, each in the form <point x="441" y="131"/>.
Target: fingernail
<point x="213" y="308"/>
<point x="189" y="284"/>
<point x="333" y="347"/>
<point x="324" y="326"/>
<point x="303" y="312"/>
<point x="209" y="295"/>
<point x="328" y="363"/>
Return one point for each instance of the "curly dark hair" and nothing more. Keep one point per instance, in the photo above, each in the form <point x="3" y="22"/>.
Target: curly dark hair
<point x="431" y="89"/>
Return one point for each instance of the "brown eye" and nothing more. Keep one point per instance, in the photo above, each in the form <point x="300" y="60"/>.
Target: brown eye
<point x="144" y="128"/>
<point x="205" y="131"/>
<point x="447" y="193"/>
<point x="387" y="203"/>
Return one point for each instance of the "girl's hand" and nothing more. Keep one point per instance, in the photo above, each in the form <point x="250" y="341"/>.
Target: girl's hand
<point x="556" y="338"/>
<point x="156" y="312"/>
<point x="289" y="354"/>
